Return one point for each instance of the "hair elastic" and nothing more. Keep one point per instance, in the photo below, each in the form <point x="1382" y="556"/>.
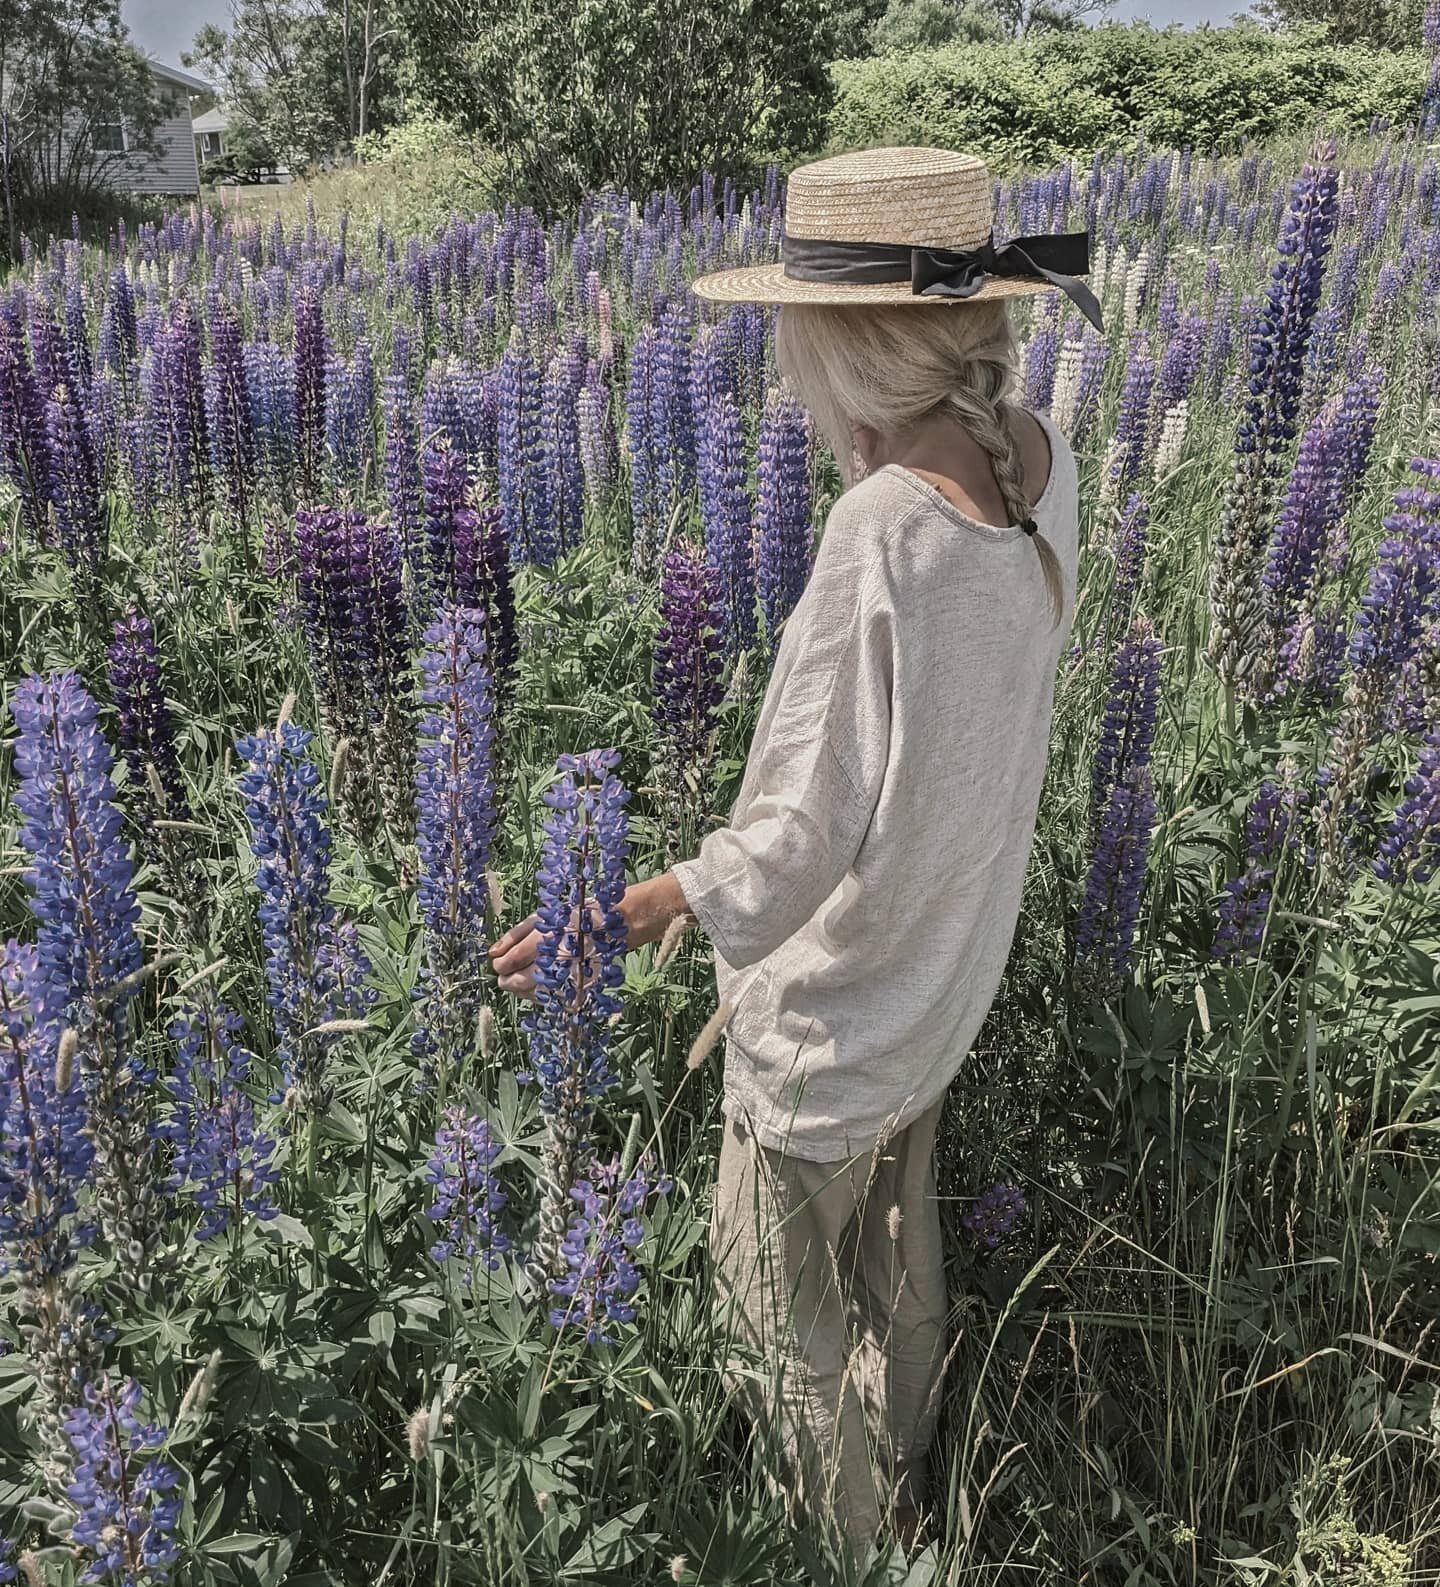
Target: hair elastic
<point x="1030" y="526"/>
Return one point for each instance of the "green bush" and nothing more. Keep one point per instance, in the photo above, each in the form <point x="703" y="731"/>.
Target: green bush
<point x="1065" y="93"/>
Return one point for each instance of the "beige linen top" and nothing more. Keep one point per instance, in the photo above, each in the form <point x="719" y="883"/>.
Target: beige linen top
<point x="863" y="897"/>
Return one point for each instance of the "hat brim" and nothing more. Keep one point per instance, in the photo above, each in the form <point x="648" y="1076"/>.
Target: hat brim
<point x="770" y="284"/>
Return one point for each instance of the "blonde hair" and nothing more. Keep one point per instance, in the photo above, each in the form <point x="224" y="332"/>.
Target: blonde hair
<point x="890" y="367"/>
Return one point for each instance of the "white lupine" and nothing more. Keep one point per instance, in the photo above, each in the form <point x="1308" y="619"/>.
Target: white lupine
<point x="1099" y="268"/>
<point x="1172" y="437"/>
<point x="1067" y="384"/>
<point x="1135" y="283"/>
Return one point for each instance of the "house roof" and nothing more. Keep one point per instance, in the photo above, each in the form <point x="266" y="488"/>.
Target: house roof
<point x="196" y="85"/>
<point x="217" y="120"/>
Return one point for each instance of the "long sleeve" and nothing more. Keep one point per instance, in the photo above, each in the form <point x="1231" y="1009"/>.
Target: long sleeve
<point x="815" y="768"/>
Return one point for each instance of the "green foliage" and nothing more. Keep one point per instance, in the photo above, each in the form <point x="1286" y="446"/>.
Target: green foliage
<point x="924" y="24"/>
<point x="629" y="93"/>
<point x="1063" y="93"/>
<point x="1391" y="24"/>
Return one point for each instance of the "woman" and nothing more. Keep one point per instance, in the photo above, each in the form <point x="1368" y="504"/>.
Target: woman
<point x="862" y="899"/>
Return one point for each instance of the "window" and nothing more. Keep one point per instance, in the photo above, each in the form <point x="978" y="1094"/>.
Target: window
<point x="109" y="133"/>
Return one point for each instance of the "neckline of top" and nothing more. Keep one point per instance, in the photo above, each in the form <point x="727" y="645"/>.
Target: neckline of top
<point x="997" y="531"/>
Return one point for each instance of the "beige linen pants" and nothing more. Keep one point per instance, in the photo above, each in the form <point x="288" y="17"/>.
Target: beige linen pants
<point x="834" y="1278"/>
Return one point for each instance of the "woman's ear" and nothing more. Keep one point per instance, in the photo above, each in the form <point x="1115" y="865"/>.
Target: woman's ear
<point x="866" y="441"/>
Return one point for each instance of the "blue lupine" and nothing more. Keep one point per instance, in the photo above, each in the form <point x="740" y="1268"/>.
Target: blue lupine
<point x="560" y="441"/>
<point x="1267" y="421"/>
<point x="689" y="660"/>
<point x="126" y="1498"/>
<point x="270" y="381"/>
<point x="147" y="732"/>
<point x="1127" y="725"/>
<point x="782" y="509"/>
<point x="1410" y="847"/>
<point x="1114" y="883"/>
<point x="526" y="502"/>
<point x="455" y="797"/>
<point x="220" y="1161"/>
<point x="600" y="1277"/>
<point x="642" y="441"/>
<point x="229" y="414"/>
<point x="726" y="514"/>
<point x="1131" y="539"/>
<point x="1272" y="823"/>
<point x="314" y="970"/>
<point x="80" y="515"/>
<point x="402" y="472"/>
<point x="992" y="1216"/>
<point x="1132" y="425"/>
<point x="174" y="391"/>
<point x="467" y="1196"/>
<point x="310" y="360"/>
<point x="23" y="436"/>
<point x="1041" y="354"/>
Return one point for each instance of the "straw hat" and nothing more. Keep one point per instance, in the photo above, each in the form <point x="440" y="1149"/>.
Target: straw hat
<point x="893" y="200"/>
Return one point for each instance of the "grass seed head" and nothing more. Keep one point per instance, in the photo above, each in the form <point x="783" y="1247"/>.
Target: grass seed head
<point x="339" y="765"/>
<point x="893" y="1219"/>
<point x="671" y="940"/>
<point x="417" y="1432"/>
<point x="485" y="1030"/>
<point x="710" y="1033"/>
<point x="65" y="1058"/>
<point x="678" y="1567"/>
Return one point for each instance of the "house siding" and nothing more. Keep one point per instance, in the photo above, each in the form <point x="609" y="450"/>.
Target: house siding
<point x="173" y="171"/>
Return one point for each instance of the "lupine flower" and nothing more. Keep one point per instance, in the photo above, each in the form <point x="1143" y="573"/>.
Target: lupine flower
<point x="23" y="435"/>
<point x="467" y="1195"/>
<point x="314" y="969"/>
<point x="75" y="486"/>
<point x="782" y="509"/>
<point x="221" y="1161"/>
<point x="1041" y="355"/>
<point x="1267" y="423"/>
<point x="1410" y="848"/>
<point x="689" y="664"/>
<point x="270" y="380"/>
<point x="147" y="733"/>
<point x="601" y="1276"/>
<point x="641" y="439"/>
<point x="560" y="440"/>
<point x="125" y="1497"/>
<point x="445" y="495"/>
<point x="726" y="513"/>
<point x="228" y="411"/>
<point x="1130" y="546"/>
<point x="456" y="814"/>
<point x="1132" y="426"/>
<point x="1271" y="825"/>
<point x="402" y="472"/>
<point x="1127" y="726"/>
<point x="992" y="1217"/>
<point x="310" y="360"/>
<point x="526" y="501"/>
<point x="577" y="971"/>
<point x="597" y="431"/>
<point x="174" y="391"/>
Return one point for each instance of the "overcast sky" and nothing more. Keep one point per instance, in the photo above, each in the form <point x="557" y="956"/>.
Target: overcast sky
<point x="165" y="27"/>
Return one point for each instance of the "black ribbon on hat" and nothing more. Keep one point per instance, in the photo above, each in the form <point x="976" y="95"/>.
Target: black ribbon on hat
<point x="947" y="272"/>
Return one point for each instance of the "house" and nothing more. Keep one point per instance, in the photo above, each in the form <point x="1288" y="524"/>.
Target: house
<point x="211" y="133"/>
<point x="175" y="171"/>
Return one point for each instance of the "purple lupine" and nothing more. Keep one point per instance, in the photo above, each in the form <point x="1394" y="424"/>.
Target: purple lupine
<point x="314" y="970"/>
<point x="648" y="524"/>
<point x="600" y="1277"/>
<point x="526" y="497"/>
<point x="1410" y="847"/>
<point x="484" y="582"/>
<point x="560" y="443"/>
<point x="726" y="514"/>
<point x="1122" y="811"/>
<point x="328" y="605"/>
<point x="1094" y="357"/>
<point x="1131" y="540"/>
<point x="402" y="472"/>
<point x="126" y="1499"/>
<point x="597" y="431"/>
<point x="1272" y="823"/>
<point x="311" y="357"/>
<point x="228" y="411"/>
<point x="782" y="509"/>
<point x="689" y="663"/>
<point x="147" y="732"/>
<point x="1133" y="421"/>
<point x="80" y="517"/>
<point x="221" y="1161"/>
<point x="992" y="1217"/>
<point x="1267" y="422"/>
<point x="578" y="971"/>
<point x="119" y="345"/>
<point x="1041" y="353"/>
<point x="455" y="798"/>
<point x="672" y="412"/>
<point x="23" y="436"/>
<point x="174" y="391"/>
<point x="270" y="380"/>
<point x="467" y="1195"/>
<point x="444" y="494"/>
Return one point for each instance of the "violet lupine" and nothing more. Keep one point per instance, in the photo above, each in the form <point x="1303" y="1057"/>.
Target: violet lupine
<point x="1131" y="541"/>
<point x="601" y="1277"/>
<point x="726" y="514"/>
<point x="228" y="412"/>
<point x="782" y="509"/>
<point x="526" y="501"/>
<point x="221" y="1161"/>
<point x="1041" y="355"/>
<point x="82" y="881"/>
<point x="1400" y="604"/>
<point x="992" y="1217"/>
<point x="1273" y="823"/>
<point x="314" y="970"/>
<point x="1132" y="424"/>
<point x="578" y="970"/>
<point x="147" y="732"/>
<point x="1410" y="847"/>
<point x="467" y="1195"/>
<point x="80" y="518"/>
<point x="126" y="1499"/>
<point x="455" y="799"/>
<point x="647" y="518"/>
<point x="597" y="431"/>
<point x="23" y="436"/>
<point x="402" y="472"/>
<point x="689" y="673"/>
<point x="483" y="581"/>
<point x="1267" y="423"/>
<point x="174" y="390"/>
<point x="310" y="360"/>
<point x="560" y="443"/>
<point x="672" y="412"/>
<point x="1122" y="811"/>
<point x="270" y="381"/>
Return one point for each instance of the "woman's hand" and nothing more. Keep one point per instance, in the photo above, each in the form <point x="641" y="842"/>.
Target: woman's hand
<point x="646" y="910"/>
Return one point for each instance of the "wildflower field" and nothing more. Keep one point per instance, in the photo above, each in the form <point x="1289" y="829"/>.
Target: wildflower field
<point x="361" y="593"/>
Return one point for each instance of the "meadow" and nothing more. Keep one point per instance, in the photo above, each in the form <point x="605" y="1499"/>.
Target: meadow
<point x="361" y="592"/>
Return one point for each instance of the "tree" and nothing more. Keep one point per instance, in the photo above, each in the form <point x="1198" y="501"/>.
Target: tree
<point x="925" y="24"/>
<point x="577" y="94"/>
<point x="1390" y="24"/>
<point x="70" y="81"/>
